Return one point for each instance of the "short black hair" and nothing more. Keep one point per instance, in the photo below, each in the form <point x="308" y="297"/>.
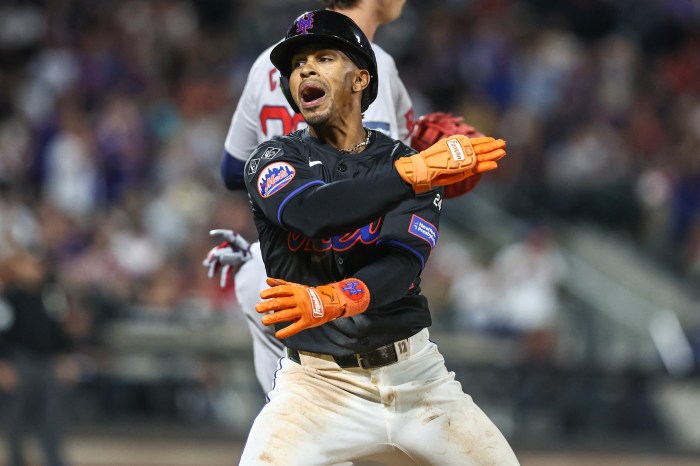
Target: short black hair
<point x="342" y="4"/>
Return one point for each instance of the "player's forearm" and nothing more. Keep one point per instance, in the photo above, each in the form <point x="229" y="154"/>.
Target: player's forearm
<point x="336" y="208"/>
<point x="390" y="277"/>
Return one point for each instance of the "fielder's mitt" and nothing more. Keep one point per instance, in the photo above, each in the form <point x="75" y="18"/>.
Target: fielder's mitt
<point x="432" y="127"/>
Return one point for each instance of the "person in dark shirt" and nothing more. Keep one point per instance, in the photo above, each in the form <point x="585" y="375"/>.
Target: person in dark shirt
<point x="31" y="338"/>
<point x="347" y="218"/>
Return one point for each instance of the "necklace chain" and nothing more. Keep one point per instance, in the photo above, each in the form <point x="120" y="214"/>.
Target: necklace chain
<point x="357" y="146"/>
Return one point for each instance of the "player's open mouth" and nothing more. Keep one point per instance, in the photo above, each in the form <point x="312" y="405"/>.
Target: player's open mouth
<point x="311" y="94"/>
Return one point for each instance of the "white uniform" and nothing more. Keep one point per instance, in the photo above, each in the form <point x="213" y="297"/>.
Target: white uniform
<point x="263" y="112"/>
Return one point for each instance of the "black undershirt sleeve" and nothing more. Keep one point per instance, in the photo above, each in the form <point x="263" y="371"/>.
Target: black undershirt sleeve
<point x="390" y="276"/>
<point x="335" y="208"/>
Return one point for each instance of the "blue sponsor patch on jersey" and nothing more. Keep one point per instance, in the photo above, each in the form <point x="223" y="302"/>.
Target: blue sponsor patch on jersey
<point x="424" y="230"/>
<point x="274" y="177"/>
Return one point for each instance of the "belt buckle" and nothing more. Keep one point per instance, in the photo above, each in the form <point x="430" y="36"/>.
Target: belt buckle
<point x="381" y="357"/>
<point x="293" y="355"/>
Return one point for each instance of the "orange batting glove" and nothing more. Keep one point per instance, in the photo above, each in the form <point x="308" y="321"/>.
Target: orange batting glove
<point x="311" y="306"/>
<point x="450" y="160"/>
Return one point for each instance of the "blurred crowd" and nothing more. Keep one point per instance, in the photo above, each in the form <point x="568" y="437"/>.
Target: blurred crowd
<point x="113" y="116"/>
<point x="599" y="102"/>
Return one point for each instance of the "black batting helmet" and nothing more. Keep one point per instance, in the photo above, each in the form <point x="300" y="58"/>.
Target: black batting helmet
<point x="326" y="27"/>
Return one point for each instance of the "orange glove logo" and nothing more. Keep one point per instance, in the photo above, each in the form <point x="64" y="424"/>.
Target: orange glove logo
<point x="457" y="151"/>
<point x="316" y="304"/>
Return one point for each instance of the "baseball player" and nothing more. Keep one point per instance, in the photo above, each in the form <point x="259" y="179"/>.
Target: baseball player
<point x="347" y="218"/>
<point x="263" y="112"/>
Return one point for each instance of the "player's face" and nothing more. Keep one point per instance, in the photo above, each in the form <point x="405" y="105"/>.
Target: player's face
<point x="389" y="10"/>
<point x="325" y="83"/>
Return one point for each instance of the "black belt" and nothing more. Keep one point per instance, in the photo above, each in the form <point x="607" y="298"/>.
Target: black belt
<point x="382" y="356"/>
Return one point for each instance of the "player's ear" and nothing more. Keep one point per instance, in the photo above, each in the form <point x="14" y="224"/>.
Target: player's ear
<point x="361" y="80"/>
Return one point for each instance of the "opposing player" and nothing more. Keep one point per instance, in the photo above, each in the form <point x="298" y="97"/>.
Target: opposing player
<point x="263" y="112"/>
<point x="347" y="218"/>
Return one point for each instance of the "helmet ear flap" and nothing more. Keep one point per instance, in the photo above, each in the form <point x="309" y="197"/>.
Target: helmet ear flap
<point x="284" y="85"/>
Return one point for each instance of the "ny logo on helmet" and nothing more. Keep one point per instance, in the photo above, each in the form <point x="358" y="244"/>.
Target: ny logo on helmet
<point x="305" y="23"/>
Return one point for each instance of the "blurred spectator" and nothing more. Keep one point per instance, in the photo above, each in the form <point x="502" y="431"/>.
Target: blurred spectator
<point x="19" y="226"/>
<point x="470" y="291"/>
<point x="122" y="144"/>
<point x="515" y="295"/>
<point x="71" y="177"/>
<point x="529" y="275"/>
<point x="32" y="369"/>
<point x="588" y="177"/>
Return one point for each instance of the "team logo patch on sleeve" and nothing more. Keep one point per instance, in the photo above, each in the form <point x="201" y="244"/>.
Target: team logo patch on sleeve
<point x="424" y="230"/>
<point x="274" y="177"/>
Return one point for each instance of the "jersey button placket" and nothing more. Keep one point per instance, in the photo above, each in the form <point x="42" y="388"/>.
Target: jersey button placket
<point x="342" y="167"/>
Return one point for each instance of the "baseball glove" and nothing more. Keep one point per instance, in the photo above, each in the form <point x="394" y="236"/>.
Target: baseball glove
<point x="432" y="127"/>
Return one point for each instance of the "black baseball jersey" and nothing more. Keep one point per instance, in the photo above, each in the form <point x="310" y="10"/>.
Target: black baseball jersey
<point x="323" y="216"/>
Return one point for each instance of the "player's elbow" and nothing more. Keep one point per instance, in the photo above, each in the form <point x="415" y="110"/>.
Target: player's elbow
<point x="232" y="171"/>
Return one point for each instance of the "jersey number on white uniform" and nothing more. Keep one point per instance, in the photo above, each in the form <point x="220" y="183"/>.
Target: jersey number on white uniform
<point x="289" y="121"/>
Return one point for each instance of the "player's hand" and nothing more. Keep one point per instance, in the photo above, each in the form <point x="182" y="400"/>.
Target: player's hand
<point x="432" y="127"/>
<point x="228" y="256"/>
<point x="450" y="160"/>
<point x="309" y="306"/>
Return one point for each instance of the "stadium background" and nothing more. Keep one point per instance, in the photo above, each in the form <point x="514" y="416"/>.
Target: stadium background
<point x="565" y="289"/>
